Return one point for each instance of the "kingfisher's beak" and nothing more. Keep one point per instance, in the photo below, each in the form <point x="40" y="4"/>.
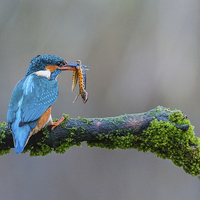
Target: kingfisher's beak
<point x="75" y="65"/>
<point x="69" y="66"/>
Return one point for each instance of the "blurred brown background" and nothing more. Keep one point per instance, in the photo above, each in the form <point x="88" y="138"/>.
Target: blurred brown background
<point x="141" y="54"/>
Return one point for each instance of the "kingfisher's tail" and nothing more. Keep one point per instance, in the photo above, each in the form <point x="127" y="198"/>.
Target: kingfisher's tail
<point x="18" y="147"/>
<point x="20" y="136"/>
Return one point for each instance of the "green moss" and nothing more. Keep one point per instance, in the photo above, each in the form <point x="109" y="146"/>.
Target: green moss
<point x="72" y="130"/>
<point x="85" y="120"/>
<point x="162" y="138"/>
<point x="66" y="116"/>
<point x="4" y="149"/>
<point x="120" y="139"/>
<point x="68" y="142"/>
<point x="152" y="113"/>
<point x="159" y="108"/>
<point x="2" y="125"/>
<point x="54" y="119"/>
<point x="41" y="148"/>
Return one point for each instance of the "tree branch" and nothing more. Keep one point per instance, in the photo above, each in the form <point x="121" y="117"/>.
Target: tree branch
<point x="166" y="133"/>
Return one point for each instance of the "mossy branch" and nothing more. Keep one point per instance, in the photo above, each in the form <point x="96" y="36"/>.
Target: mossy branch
<point x="166" y="133"/>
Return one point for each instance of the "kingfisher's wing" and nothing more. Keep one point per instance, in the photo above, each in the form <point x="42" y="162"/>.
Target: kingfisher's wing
<point x="14" y="101"/>
<point x="36" y="94"/>
<point x="39" y="93"/>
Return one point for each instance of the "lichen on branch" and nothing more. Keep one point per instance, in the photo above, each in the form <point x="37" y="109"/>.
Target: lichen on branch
<point x="168" y="134"/>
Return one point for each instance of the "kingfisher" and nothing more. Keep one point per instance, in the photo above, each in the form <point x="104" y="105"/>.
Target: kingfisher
<point x="33" y="96"/>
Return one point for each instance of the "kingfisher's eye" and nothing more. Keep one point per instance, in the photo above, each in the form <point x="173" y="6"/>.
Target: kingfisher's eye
<point x="58" y="63"/>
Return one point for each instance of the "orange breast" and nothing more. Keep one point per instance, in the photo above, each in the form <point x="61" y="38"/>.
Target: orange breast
<point x="42" y="121"/>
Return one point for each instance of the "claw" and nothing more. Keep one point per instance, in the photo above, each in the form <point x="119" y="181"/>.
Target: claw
<point x="54" y="124"/>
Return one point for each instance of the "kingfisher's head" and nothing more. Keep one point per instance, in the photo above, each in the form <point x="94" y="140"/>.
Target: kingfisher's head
<point x="49" y="66"/>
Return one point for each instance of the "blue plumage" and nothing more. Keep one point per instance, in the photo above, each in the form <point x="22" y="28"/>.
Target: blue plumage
<point x="32" y="96"/>
<point x="20" y="134"/>
<point x="41" y="61"/>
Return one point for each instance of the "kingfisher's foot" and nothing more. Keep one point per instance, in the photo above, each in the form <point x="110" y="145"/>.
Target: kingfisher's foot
<point x="54" y="124"/>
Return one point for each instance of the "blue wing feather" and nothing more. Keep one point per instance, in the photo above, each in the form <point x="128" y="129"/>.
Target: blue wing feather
<point x="31" y="97"/>
<point x="38" y="96"/>
<point x="15" y="98"/>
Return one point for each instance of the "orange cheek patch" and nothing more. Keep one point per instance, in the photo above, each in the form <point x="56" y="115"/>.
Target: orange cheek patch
<point x="51" y="68"/>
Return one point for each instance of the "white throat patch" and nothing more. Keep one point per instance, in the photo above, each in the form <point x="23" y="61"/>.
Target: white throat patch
<point x="45" y="73"/>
